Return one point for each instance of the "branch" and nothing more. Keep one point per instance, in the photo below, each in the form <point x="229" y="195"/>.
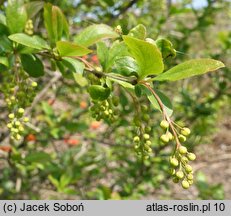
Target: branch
<point x="164" y="112"/>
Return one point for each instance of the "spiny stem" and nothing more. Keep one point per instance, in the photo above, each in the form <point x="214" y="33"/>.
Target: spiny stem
<point x="147" y="85"/>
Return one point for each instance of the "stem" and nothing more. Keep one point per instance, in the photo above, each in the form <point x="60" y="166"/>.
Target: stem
<point x="147" y="85"/>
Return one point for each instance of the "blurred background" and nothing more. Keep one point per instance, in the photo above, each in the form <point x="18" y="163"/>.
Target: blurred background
<point x="68" y="155"/>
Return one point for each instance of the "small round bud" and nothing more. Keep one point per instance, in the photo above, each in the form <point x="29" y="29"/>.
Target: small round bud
<point x="180" y="174"/>
<point x="17" y="123"/>
<point x="190" y="176"/>
<point x="136" y="121"/>
<point x="144" y="108"/>
<point x="170" y="136"/>
<point x="182" y="150"/>
<point x="146" y="136"/>
<point x="21" y="110"/>
<point x="174" y="162"/>
<point x="190" y="182"/>
<point x="12" y="98"/>
<point x="21" y="128"/>
<point x="185" y="184"/>
<point x="18" y="137"/>
<point x="136" y="139"/>
<point x="106" y="112"/>
<point x="145" y="117"/>
<point x="11" y="116"/>
<point x="182" y="138"/>
<point x="34" y="84"/>
<point x="172" y="171"/>
<point x="188" y="168"/>
<point x="185" y="131"/>
<point x="175" y="180"/>
<point x="184" y="159"/>
<point x="136" y="146"/>
<point x="15" y="130"/>
<point x="9" y="125"/>
<point x="164" y="138"/>
<point x="146" y="157"/>
<point x="148" y="142"/>
<point x="191" y="156"/>
<point x="148" y="129"/>
<point x="164" y="124"/>
<point x="26" y="119"/>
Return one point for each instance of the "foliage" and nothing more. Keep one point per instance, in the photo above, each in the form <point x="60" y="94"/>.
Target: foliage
<point x="120" y="72"/>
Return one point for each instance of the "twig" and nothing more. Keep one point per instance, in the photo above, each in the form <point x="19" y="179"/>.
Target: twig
<point x="147" y="85"/>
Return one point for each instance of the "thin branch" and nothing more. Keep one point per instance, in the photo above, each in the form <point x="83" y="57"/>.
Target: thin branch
<point x="147" y="85"/>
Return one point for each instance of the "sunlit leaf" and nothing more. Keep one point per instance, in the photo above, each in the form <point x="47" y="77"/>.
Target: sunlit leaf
<point x="190" y="68"/>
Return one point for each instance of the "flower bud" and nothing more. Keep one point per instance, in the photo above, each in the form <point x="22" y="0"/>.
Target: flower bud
<point x="9" y="125"/>
<point x="185" y="131"/>
<point x="175" y="180"/>
<point x="185" y="184"/>
<point x="26" y="119"/>
<point x="164" y="138"/>
<point x="34" y="84"/>
<point x="18" y="137"/>
<point x="21" y="110"/>
<point x="17" y="123"/>
<point x="164" y="124"/>
<point x="190" y="176"/>
<point x="170" y="136"/>
<point x="11" y="116"/>
<point x="146" y="136"/>
<point x="148" y="142"/>
<point x="182" y="138"/>
<point x="180" y="174"/>
<point x="136" y="139"/>
<point x="191" y="156"/>
<point x="182" y="150"/>
<point x="174" y="162"/>
<point x="188" y="168"/>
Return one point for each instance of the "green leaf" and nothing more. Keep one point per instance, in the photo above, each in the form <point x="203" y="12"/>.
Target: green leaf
<point x="138" y="90"/>
<point x="190" y="68"/>
<point x="4" y="64"/>
<point x="55" y="23"/>
<point x="80" y="80"/>
<point x="147" y="56"/>
<point x="166" y="48"/>
<point x="102" y="53"/>
<point x="47" y="109"/>
<point x="16" y="16"/>
<point x="126" y="66"/>
<point x="65" y="180"/>
<point x="32" y="8"/>
<point x="73" y="65"/>
<point x="47" y="15"/>
<point x="2" y="19"/>
<point x="126" y="85"/>
<point x="138" y="32"/>
<point x="70" y="49"/>
<point x="4" y="61"/>
<point x="98" y="92"/>
<point x="54" y="181"/>
<point x="34" y="42"/>
<point x="117" y="50"/>
<point x="32" y="65"/>
<point x="6" y="44"/>
<point x="40" y="157"/>
<point x="165" y="100"/>
<point x="95" y="33"/>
